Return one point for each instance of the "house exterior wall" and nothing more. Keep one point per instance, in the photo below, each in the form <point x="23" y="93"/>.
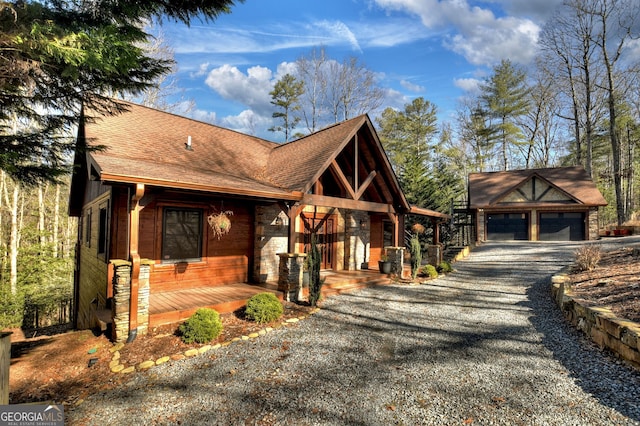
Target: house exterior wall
<point x="358" y="236"/>
<point x="271" y="238"/>
<point x="224" y="260"/>
<point x="92" y="269"/>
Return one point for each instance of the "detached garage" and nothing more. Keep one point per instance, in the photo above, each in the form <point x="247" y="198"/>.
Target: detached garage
<point x="556" y="204"/>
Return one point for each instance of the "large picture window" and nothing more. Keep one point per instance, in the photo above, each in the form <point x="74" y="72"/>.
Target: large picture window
<point x="181" y="234"/>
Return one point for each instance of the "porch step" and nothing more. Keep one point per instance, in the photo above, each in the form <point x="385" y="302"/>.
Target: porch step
<point x="346" y="281"/>
<point x="102" y="318"/>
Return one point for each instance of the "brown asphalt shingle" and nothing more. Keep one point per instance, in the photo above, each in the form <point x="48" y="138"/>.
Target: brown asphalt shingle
<point x="486" y="189"/>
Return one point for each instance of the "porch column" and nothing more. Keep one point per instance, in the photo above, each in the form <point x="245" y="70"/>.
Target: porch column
<point x="122" y="299"/>
<point x="396" y="257"/>
<point x="134" y="233"/>
<point x="290" y="275"/>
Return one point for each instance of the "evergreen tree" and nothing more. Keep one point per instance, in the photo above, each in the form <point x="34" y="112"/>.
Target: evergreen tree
<point x="58" y="57"/>
<point x="286" y="97"/>
<point x="504" y="96"/>
<point x="407" y="137"/>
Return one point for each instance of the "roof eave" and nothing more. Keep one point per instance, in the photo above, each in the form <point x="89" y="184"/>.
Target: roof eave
<point x="112" y="178"/>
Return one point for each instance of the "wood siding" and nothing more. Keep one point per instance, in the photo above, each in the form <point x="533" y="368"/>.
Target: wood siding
<point x="92" y="271"/>
<point x="375" y="250"/>
<point x="224" y="261"/>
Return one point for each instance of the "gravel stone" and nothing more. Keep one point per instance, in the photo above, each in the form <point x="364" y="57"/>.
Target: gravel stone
<point x="483" y="345"/>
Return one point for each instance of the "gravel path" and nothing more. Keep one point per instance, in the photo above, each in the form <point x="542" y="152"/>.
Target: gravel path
<point x="484" y="345"/>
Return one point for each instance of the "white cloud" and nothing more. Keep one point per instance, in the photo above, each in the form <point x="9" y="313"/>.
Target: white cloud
<point x="202" y="115"/>
<point x="247" y="122"/>
<point x="411" y="86"/>
<point x="473" y="32"/>
<point x="250" y="89"/>
<point x="340" y="31"/>
<point x="469" y="85"/>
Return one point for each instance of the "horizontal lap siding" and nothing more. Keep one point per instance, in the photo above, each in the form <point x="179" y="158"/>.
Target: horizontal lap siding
<point x="225" y="261"/>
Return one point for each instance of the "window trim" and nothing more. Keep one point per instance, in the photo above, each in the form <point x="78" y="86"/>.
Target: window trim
<point x="201" y="235"/>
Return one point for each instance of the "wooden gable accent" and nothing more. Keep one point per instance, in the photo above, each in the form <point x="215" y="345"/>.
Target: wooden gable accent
<point x="359" y="177"/>
<point x="536" y="190"/>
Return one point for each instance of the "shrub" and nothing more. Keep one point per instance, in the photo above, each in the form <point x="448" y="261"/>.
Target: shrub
<point x="203" y="326"/>
<point x="264" y="307"/>
<point x="587" y="257"/>
<point x="444" y="267"/>
<point x="430" y="271"/>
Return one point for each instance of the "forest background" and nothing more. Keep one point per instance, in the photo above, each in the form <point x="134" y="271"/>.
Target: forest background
<point x="579" y="105"/>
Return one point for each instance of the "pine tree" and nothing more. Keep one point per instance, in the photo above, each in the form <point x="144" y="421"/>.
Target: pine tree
<point x="286" y="97"/>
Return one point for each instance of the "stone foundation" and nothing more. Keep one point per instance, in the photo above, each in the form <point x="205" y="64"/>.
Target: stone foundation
<point x="122" y="296"/>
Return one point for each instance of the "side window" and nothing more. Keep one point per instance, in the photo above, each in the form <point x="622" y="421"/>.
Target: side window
<point x="181" y="234"/>
<point x="103" y="229"/>
<point x="87" y="228"/>
<point x="387" y="233"/>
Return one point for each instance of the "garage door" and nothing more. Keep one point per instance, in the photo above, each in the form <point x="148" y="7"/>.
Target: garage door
<point x="508" y="226"/>
<point x="561" y="227"/>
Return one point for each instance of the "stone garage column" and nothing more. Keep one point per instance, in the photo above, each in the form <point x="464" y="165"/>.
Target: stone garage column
<point x="290" y="275"/>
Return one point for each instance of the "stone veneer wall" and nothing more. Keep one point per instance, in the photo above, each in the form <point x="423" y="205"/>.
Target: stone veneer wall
<point x="270" y="239"/>
<point x="396" y="257"/>
<point x="608" y="331"/>
<point x="122" y="296"/>
<point x="290" y="275"/>
<point x="592" y="220"/>
<point x="358" y="235"/>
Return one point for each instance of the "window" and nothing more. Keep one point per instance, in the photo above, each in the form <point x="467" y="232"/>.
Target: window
<point x="387" y="234"/>
<point x="87" y="229"/>
<point x="181" y="234"/>
<point x="102" y="230"/>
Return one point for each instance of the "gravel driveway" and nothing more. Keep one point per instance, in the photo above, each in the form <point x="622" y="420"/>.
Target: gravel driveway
<point x="484" y="345"/>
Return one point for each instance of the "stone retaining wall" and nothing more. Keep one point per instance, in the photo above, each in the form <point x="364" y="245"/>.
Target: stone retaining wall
<point x="608" y="331"/>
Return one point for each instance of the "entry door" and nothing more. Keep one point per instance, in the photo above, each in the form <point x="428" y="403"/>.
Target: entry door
<point x="324" y="228"/>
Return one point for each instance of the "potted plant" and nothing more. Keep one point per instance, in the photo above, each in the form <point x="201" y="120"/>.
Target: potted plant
<point x="384" y="265"/>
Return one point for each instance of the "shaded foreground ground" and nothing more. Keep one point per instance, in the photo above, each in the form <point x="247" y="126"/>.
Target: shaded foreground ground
<point x="484" y="345"/>
<point x="449" y="320"/>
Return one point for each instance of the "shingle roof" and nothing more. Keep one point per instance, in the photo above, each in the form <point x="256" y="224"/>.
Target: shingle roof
<point x="297" y="163"/>
<point x="148" y="145"/>
<point x="486" y="189"/>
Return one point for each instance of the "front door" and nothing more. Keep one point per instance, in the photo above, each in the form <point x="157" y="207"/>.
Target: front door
<point x="324" y="228"/>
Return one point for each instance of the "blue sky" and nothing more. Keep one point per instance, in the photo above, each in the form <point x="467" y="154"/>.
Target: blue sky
<point x="439" y="50"/>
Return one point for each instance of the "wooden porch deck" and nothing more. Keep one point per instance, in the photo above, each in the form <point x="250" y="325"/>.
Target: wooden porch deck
<point x="175" y="306"/>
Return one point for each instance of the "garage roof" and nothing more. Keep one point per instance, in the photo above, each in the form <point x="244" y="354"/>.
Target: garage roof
<point x="489" y="189"/>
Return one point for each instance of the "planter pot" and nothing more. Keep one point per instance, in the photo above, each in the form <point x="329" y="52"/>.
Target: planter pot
<point x="385" y="267"/>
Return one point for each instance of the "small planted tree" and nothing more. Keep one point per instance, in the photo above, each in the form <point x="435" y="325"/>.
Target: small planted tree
<point x="315" y="283"/>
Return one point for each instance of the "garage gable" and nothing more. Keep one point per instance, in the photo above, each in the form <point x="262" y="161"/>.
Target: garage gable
<point x="536" y="190"/>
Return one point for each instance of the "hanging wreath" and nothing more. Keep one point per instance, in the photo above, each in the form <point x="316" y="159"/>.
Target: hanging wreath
<point x="220" y="223"/>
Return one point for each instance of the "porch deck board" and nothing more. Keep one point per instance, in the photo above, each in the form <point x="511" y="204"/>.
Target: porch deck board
<point x="174" y="306"/>
<point x="168" y="301"/>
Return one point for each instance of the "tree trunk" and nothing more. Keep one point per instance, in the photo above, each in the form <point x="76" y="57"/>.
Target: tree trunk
<point x="56" y="221"/>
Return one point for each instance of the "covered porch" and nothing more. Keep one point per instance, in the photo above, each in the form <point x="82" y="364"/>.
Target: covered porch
<point x="175" y="306"/>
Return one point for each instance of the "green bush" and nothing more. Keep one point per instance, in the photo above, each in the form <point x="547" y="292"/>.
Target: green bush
<point x="263" y="308"/>
<point x="444" y="267"/>
<point x="430" y="271"/>
<point x="202" y="327"/>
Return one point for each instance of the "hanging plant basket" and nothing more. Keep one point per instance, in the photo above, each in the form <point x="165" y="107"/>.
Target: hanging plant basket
<point x="220" y="223"/>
